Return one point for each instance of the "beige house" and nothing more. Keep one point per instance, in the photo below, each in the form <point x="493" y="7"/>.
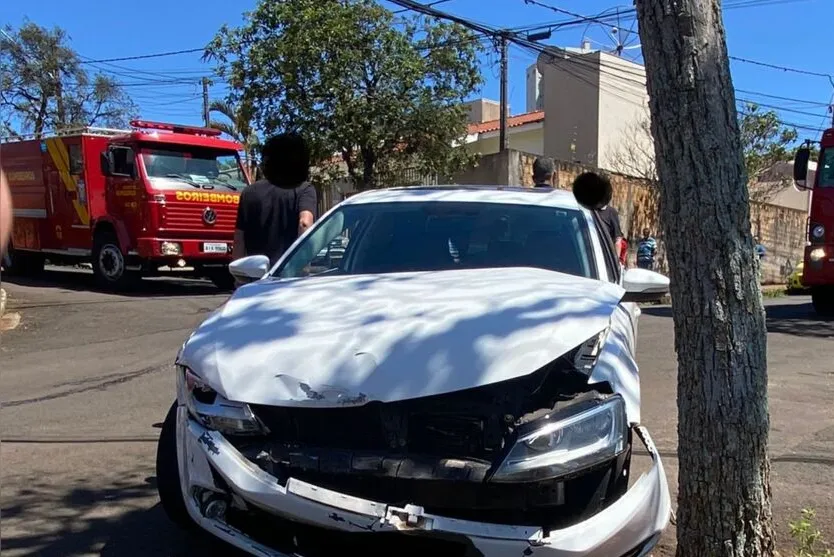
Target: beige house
<point x="596" y="104"/>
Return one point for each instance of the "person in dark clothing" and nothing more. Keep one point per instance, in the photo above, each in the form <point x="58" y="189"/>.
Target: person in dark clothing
<point x="275" y="211"/>
<point x="596" y="189"/>
<point x="544" y="172"/>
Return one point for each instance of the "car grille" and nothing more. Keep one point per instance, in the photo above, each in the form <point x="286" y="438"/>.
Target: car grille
<point x="400" y="428"/>
<point x="188" y="216"/>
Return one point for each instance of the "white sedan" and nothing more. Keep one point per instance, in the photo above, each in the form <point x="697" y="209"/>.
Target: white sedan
<point x="462" y="381"/>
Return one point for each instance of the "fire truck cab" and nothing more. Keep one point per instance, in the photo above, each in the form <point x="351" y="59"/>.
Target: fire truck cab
<point x="818" y="267"/>
<point x="159" y="197"/>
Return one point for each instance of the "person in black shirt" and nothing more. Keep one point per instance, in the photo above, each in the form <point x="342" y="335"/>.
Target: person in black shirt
<point x="543" y="172"/>
<point x="274" y="211"/>
<point x="611" y="220"/>
<point x="593" y="190"/>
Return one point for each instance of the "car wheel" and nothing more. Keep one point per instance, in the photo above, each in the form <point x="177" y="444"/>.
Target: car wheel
<point x="168" y="473"/>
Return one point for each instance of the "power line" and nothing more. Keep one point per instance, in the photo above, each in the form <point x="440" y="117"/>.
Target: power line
<point x="145" y="56"/>
<point x="783" y="68"/>
<point x="742" y="4"/>
<point x="787" y="99"/>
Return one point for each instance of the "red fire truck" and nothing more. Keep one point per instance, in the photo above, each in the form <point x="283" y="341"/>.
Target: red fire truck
<point x="130" y="202"/>
<point x="818" y="268"/>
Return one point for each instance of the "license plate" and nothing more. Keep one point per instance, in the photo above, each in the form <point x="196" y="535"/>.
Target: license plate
<point x="215" y="247"/>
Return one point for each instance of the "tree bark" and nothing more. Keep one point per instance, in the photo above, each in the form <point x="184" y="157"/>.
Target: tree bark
<point x="720" y="336"/>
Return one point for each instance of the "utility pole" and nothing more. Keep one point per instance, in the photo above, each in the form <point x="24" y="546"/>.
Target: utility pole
<point x="206" y="118"/>
<point x="503" y="139"/>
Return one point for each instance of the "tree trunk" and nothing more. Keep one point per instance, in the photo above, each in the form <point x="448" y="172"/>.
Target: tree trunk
<point x="720" y="337"/>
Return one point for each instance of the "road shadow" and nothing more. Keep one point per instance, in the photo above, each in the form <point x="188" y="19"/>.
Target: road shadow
<point x="81" y="280"/>
<point x="797" y="319"/>
<point x="49" y="521"/>
<point x="792" y="317"/>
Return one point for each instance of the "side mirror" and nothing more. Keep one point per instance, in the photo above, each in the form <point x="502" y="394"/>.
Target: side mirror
<point x="643" y="285"/>
<point x="800" y="168"/>
<point x="249" y="269"/>
<point x="106" y="162"/>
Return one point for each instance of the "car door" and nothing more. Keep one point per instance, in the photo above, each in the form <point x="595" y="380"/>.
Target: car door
<point x="627" y="315"/>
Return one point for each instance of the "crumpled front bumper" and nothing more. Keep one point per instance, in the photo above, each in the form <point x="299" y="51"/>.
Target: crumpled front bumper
<point x="628" y="527"/>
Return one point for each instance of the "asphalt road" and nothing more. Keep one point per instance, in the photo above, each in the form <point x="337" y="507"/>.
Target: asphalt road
<point x="86" y="379"/>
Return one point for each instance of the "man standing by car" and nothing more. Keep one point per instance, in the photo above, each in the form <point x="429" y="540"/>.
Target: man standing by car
<point x="646" y="250"/>
<point x="543" y="172"/>
<point x="275" y="211"/>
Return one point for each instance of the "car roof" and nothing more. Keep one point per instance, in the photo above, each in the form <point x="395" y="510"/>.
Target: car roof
<point x="514" y="195"/>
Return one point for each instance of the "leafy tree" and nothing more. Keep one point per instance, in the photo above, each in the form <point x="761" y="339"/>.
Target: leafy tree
<point x="724" y="496"/>
<point x="765" y="141"/>
<point x="238" y="127"/>
<point x="44" y="86"/>
<point x="382" y="94"/>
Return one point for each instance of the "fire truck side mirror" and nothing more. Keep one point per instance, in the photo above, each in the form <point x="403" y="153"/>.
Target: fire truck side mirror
<point x="800" y="167"/>
<point x="106" y="163"/>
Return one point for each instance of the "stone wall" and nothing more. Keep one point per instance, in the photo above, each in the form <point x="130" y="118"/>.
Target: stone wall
<point x="781" y="230"/>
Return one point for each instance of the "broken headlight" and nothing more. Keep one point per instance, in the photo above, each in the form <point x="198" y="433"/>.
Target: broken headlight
<point x="568" y="442"/>
<point x="212" y="410"/>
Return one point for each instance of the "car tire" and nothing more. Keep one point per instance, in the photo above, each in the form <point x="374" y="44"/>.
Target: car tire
<point x="822" y="297"/>
<point x="168" y="473"/>
<point x="109" y="263"/>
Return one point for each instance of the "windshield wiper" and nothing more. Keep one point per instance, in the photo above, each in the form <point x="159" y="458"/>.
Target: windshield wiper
<point x="182" y="179"/>
<point x="200" y="184"/>
<point x="231" y="187"/>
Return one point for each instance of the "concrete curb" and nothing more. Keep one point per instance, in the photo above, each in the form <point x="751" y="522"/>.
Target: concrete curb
<point x="2" y="302"/>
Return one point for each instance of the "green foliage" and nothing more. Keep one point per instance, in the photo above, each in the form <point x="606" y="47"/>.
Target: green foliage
<point x="382" y="94"/>
<point x="807" y="536"/>
<point x="238" y="127"/>
<point x="44" y="86"/>
<point x="766" y="142"/>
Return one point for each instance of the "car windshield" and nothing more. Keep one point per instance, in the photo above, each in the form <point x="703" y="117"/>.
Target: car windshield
<point x="196" y="167"/>
<point x="435" y="236"/>
<point x="826" y="169"/>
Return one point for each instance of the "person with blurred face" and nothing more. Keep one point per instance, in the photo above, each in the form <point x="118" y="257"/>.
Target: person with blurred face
<point x="544" y="171"/>
<point x="275" y="211"/>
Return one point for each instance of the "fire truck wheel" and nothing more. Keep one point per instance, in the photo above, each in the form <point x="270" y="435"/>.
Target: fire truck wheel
<point x="822" y="298"/>
<point x="109" y="264"/>
<point x="222" y="279"/>
<point x="22" y="264"/>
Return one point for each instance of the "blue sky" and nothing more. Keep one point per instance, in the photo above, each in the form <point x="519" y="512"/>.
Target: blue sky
<point x="790" y="33"/>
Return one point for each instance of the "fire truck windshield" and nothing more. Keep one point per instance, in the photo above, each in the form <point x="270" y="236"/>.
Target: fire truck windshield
<point x="826" y="169"/>
<point x="193" y="166"/>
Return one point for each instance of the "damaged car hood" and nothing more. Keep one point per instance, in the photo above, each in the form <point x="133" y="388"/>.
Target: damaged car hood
<point x="348" y="340"/>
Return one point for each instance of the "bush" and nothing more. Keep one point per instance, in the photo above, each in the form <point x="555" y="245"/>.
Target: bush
<point x="807" y="537"/>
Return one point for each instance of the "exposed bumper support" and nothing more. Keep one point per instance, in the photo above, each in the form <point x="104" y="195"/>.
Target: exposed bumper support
<point x="634" y="521"/>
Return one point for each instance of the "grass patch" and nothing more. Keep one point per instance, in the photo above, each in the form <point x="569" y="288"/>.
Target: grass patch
<point x="774" y="292"/>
